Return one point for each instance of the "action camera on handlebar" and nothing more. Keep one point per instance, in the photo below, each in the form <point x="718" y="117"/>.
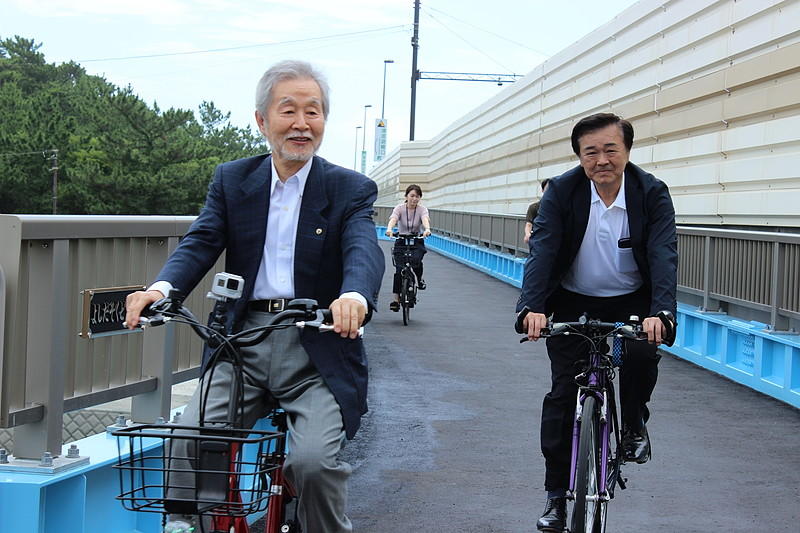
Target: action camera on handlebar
<point x="226" y="287"/>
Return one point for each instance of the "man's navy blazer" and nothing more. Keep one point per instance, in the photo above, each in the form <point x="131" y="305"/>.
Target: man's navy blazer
<point x="336" y="251"/>
<point x="561" y="224"/>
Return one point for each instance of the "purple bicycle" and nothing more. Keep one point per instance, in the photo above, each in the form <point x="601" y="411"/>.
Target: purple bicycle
<point x="597" y="454"/>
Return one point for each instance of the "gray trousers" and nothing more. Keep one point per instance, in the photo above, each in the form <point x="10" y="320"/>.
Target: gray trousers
<point x="279" y="368"/>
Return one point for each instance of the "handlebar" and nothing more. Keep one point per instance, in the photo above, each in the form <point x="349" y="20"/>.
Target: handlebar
<point x="632" y="330"/>
<point x="629" y="331"/>
<point x="304" y="311"/>
<point x="406" y="236"/>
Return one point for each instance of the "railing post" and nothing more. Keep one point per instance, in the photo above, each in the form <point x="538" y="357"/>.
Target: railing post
<point x="776" y="285"/>
<point x="158" y="348"/>
<point x="48" y="286"/>
<point x="708" y="272"/>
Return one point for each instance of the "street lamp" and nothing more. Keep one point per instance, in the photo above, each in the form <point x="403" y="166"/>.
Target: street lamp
<point x="380" y="129"/>
<point x="363" y="142"/>
<point x="355" y="150"/>
<point x="383" y="100"/>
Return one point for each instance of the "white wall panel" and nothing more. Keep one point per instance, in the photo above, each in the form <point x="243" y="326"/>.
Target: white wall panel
<point x="714" y="149"/>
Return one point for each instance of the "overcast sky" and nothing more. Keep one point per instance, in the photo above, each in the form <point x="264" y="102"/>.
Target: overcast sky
<point x="179" y="53"/>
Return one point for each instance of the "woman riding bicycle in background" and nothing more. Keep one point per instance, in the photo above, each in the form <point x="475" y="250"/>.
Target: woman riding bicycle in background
<point x="410" y="217"/>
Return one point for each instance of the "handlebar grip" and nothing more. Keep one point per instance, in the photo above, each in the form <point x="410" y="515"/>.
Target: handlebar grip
<point x="149" y="310"/>
<point x="670" y="326"/>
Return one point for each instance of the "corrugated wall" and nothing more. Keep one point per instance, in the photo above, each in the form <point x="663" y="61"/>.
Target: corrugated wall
<point x="711" y="87"/>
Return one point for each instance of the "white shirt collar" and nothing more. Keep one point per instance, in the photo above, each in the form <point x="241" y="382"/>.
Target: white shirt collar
<point x="302" y="175"/>
<point x="619" y="201"/>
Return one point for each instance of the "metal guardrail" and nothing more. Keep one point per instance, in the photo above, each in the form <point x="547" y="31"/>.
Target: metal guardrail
<point x="46" y="368"/>
<point x="752" y="275"/>
<point x="46" y="261"/>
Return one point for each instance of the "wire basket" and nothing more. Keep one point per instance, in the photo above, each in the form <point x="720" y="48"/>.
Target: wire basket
<point x="406" y="252"/>
<point x="167" y="468"/>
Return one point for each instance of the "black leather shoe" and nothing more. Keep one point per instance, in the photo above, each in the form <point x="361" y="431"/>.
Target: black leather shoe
<point x="394" y="306"/>
<point x="422" y="285"/>
<point x="554" y="518"/>
<point x="636" y="445"/>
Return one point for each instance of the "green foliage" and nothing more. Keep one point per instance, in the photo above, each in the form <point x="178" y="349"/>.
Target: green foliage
<point x="115" y="154"/>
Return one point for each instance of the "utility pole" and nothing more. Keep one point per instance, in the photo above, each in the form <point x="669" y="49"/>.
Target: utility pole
<point x="54" y="169"/>
<point x="414" y="72"/>
<point x="499" y="79"/>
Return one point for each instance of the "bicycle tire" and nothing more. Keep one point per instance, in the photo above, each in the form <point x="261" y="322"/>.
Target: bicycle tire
<point x="405" y="299"/>
<point x="588" y="511"/>
<point x="614" y="463"/>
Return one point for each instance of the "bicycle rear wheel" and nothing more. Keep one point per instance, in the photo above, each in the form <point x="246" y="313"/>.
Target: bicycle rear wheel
<point x="406" y="290"/>
<point x="588" y="513"/>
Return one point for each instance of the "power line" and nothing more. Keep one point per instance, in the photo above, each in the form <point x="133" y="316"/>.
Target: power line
<point x="499" y="79"/>
<point x="503" y="37"/>
<point x="229" y="49"/>
<point x="228" y="62"/>
<point x="467" y="42"/>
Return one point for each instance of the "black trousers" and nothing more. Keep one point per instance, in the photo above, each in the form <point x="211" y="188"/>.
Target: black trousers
<point x="417" y="252"/>
<point x="637" y="377"/>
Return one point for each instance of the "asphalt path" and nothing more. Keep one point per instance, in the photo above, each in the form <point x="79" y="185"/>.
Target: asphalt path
<point x="451" y="444"/>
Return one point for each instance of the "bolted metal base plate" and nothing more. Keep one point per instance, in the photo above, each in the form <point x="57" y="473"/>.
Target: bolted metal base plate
<point x="34" y="466"/>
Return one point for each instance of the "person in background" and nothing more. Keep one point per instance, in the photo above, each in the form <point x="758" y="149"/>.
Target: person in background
<point x="604" y="243"/>
<point x="410" y="217"/>
<point x="533" y="210"/>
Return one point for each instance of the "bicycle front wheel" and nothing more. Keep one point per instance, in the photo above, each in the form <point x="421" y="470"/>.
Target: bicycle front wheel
<point x="589" y="511"/>
<point x="405" y="298"/>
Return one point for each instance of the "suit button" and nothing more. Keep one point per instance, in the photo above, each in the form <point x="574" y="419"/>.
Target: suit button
<point x="319" y="231"/>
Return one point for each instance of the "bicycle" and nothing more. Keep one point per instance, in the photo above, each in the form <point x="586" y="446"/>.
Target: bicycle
<point x="403" y="253"/>
<point x="597" y="454"/>
<point x="237" y="471"/>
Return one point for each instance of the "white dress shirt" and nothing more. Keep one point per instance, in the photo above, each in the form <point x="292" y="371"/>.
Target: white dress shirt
<point x="601" y="267"/>
<point x="275" y="277"/>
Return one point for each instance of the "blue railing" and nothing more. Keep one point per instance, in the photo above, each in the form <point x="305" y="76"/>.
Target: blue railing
<point x="745" y="352"/>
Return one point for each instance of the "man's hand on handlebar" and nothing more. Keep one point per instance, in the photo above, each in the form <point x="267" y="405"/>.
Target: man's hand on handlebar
<point x="426" y="233"/>
<point x="532" y="324"/>
<point x="389" y="232"/>
<point x="655" y="330"/>
<point x="348" y="315"/>
<point x="135" y="302"/>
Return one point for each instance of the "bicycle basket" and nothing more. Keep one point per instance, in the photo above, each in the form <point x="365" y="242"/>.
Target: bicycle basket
<point x="166" y="468"/>
<point x="402" y="253"/>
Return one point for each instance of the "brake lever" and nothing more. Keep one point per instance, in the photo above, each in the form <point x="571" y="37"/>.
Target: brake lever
<point x="154" y="320"/>
<point x="629" y="331"/>
<point x="322" y="322"/>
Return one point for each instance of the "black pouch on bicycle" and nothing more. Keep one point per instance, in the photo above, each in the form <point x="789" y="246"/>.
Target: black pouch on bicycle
<point x="212" y="473"/>
<point x="180" y="507"/>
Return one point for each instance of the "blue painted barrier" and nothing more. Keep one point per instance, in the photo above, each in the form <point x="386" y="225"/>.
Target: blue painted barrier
<point x="745" y="352"/>
<point x="79" y="500"/>
<point x="504" y="267"/>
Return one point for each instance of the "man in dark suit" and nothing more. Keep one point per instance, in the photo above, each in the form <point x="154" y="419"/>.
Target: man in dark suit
<point x="604" y="243"/>
<point x="293" y="226"/>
